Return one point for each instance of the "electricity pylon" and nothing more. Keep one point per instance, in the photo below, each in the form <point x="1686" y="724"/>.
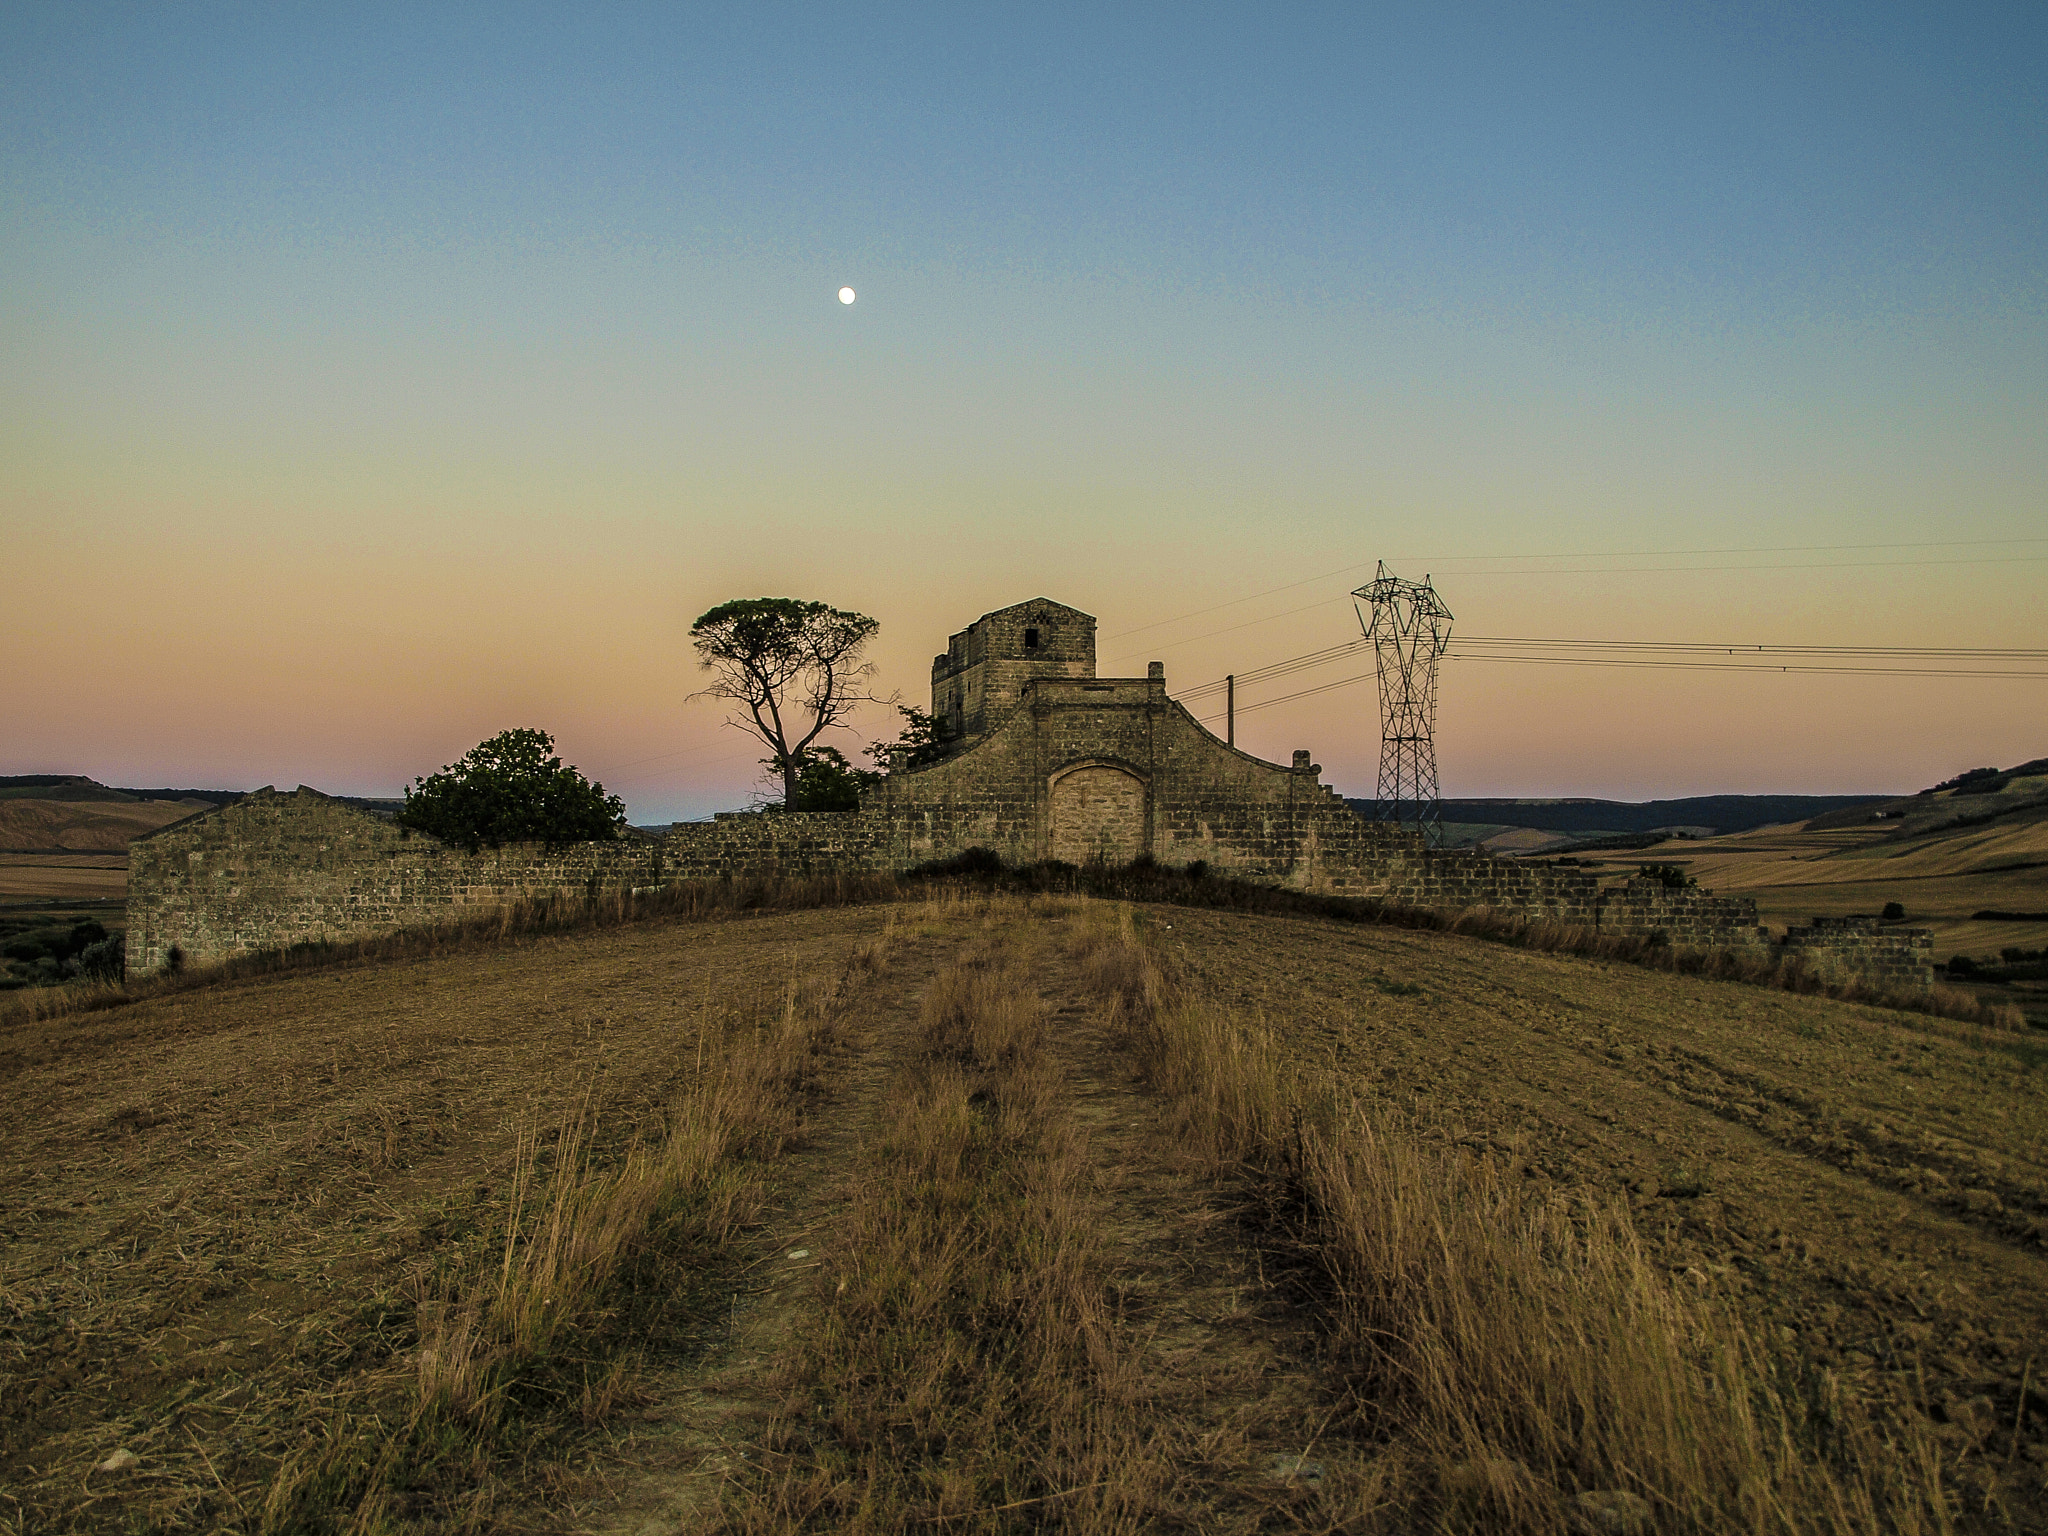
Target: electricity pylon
<point x="1409" y="629"/>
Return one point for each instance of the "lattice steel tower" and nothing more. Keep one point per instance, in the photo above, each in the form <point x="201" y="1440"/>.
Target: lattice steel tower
<point x="1409" y="629"/>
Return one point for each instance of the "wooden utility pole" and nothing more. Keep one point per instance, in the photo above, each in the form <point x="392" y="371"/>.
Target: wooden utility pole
<point x="1230" y="710"/>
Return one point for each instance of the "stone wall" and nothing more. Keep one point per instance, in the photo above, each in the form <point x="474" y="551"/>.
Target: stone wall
<point x="1841" y="948"/>
<point x="1687" y="917"/>
<point x="281" y="869"/>
<point x="274" y="870"/>
<point x="1056" y="763"/>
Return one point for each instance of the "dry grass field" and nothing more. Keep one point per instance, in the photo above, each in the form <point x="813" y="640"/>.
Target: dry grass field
<point x="1797" y="873"/>
<point x="1000" y="1213"/>
<point x="63" y="876"/>
<point x="100" y="826"/>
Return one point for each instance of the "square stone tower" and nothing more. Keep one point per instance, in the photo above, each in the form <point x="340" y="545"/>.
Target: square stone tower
<point x="976" y="681"/>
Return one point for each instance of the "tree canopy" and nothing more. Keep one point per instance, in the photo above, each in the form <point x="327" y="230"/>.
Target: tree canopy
<point x="923" y="740"/>
<point x="794" y="668"/>
<point x="828" y="782"/>
<point x="512" y="789"/>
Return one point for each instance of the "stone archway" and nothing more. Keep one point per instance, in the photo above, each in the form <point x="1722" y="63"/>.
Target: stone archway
<point x="1097" y="815"/>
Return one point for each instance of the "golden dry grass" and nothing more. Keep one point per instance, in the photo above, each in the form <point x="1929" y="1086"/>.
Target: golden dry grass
<point x="1518" y="1360"/>
<point x="413" y="1242"/>
<point x="106" y="826"/>
<point x="967" y="1371"/>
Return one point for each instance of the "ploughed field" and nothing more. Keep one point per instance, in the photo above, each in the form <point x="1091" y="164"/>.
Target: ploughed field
<point x="244" y="1224"/>
<point x="1942" y="878"/>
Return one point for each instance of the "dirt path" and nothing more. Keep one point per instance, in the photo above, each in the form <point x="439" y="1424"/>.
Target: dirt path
<point x="1227" y="1359"/>
<point x="701" y="1420"/>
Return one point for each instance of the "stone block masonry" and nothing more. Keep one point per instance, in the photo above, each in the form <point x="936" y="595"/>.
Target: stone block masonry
<point x="1860" y="948"/>
<point x="1052" y="763"/>
<point x="275" y="870"/>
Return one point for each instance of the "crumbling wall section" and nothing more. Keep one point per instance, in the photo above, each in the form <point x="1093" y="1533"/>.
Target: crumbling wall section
<point x="746" y="845"/>
<point x="1459" y="878"/>
<point x="1686" y="916"/>
<point x="1843" y="948"/>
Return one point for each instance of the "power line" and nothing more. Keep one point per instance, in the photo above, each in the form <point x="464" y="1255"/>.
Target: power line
<point x="1740" y="666"/>
<point x="1615" y="570"/>
<point x="2018" y="653"/>
<point x="1285" y="613"/>
<point x="1620" y="554"/>
<point x="1289" y="698"/>
<point x="1693" y="570"/>
<point x="1668" y="654"/>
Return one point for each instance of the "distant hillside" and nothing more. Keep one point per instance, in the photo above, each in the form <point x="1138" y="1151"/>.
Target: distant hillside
<point x="1592" y="818"/>
<point x="85" y="826"/>
<point x="77" y="789"/>
<point x="49" y="812"/>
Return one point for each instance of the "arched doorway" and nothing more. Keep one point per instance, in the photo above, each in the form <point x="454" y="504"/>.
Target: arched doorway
<point x="1097" y="815"/>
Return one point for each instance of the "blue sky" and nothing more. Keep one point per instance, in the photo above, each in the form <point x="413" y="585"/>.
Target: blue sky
<point x="405" y="374"/>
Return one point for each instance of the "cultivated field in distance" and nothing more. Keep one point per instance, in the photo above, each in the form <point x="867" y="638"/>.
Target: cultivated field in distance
<point x="97" y="826"/>
<point x="986" y="1212"/>
<point x="1836" y="866"/>
<point x="64" y="877"/>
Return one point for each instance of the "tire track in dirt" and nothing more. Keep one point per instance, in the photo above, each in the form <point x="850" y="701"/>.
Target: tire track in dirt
<point x="1231" y="1355"/>
<point x="1959" y="1178"/>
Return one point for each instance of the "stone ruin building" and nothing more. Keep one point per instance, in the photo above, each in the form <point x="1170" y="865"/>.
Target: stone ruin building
<point x="1046" y="761"/>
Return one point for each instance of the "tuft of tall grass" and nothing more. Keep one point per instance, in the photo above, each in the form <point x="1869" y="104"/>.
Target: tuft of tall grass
<point x="1514" y="1360"/>
<point x="534" y="1323"/>
<point x="569" y="1236"/>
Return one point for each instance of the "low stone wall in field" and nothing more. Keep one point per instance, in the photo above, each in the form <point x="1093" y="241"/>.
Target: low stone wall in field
<point x="1863" y="949"/>
<point x="276" y="870"/>
<point x="1687" y="917"/>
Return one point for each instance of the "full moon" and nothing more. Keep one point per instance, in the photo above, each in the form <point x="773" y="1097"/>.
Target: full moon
<point x="846" y="295"/>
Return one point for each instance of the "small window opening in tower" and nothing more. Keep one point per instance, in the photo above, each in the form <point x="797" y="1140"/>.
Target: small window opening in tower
<point x="1030" y="639"/>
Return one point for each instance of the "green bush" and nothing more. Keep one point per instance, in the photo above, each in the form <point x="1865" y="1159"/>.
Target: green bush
<point x="1669" y="876"/>
<point x="828" y="782"/>
<point x="923" y="740"/>
<point x="512" y="789"/>
<point x="1893" y="911"/>
<point x="105" y="960"/>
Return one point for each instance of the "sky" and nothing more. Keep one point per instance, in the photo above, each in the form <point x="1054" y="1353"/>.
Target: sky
<point x="375" y="379"/>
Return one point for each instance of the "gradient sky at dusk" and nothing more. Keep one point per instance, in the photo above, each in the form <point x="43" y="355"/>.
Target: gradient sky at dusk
<point x="377" y="379"/>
